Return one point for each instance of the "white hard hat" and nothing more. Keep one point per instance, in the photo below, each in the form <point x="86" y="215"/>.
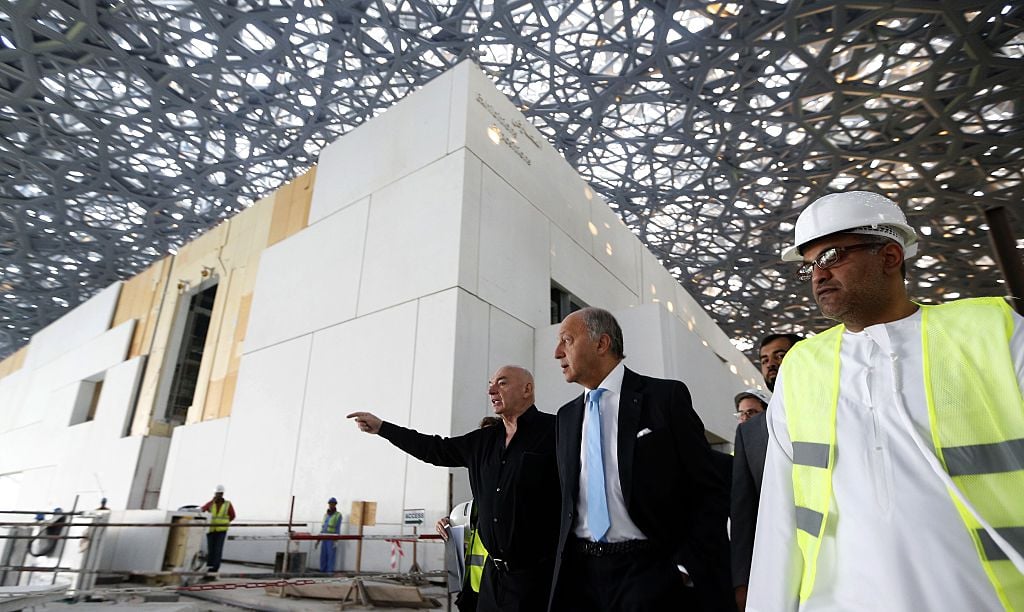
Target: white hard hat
<point x="219" y="489"/>
<point x="460" y="515"/>
<point x="856" y="212"/>
<point x="762" y="396"/>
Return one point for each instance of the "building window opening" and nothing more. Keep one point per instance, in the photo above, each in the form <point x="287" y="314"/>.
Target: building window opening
<point x="563" y="303"/>
<point x="87" y="400"/>
<point x="190" y="355"/>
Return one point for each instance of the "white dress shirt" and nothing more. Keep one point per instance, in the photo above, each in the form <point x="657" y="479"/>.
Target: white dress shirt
<point x="893" y="540"/>
<point x="622" y="527"/>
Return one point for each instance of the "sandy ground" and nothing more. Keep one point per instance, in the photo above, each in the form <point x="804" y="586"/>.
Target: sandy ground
<point x="131" y="597"/>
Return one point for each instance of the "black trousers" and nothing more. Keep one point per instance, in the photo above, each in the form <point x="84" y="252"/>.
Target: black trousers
<point x="640" y="581"/>
<point x="467" y="599"/>
<point x="524" y="589"/>
<point x="215" y="549"/>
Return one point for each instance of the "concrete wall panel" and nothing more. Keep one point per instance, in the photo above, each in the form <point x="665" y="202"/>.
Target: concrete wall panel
<point x="308" y="281"/>
<point x="514" y="261"/>
<point x="410" y="135"/>
<point x="261" y="444"/>
<point x="617" y="248"/>
<point x="365" y="364"/>
<point x="581" y="274"/>
<point x="81" y="324"/>
<point x="412" y="237"/>
<point x="471" y="367"/>
<point x="117" y="399"/>
<point x="510" y="342"/>
<point x="195" y="464"/>
<point x="500" y="135"/>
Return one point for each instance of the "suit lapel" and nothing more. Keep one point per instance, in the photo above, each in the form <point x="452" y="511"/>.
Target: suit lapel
<point x="630" y="402"/>
<point x="572" y="446"/>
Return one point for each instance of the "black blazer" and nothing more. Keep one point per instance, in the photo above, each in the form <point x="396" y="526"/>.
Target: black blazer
<point x="747" y="473"/>
<point x="672" y="489"/>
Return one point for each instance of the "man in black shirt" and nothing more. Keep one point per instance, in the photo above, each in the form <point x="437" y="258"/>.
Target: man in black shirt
<point x="514" y="479"/>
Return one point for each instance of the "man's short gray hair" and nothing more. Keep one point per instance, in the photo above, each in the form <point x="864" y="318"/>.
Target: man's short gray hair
<point x="599" y="321"/>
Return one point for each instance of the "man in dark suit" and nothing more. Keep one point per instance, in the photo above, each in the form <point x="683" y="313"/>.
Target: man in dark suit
<point x="750" y="449"/>
<point x="643" y="505"/>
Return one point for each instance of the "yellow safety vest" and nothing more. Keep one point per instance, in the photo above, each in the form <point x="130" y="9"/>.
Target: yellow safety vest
<point x="219" y="519"/>
<point x="976" y="414"/>
<point x="330" y="524"/>
<point x="475" y="560"/>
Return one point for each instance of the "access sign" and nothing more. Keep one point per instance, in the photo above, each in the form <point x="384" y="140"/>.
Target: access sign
<point x="413" y="516"/>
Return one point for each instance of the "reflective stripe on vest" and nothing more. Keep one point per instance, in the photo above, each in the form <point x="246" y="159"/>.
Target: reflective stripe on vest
<point x="476" y="560"/>
<point x="331" y="522"/>
<point x="976" y="414"/>
<point x="219" y="519"/>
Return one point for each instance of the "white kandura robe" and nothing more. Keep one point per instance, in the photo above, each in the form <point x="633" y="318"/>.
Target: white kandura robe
<point x="894" y="540"/>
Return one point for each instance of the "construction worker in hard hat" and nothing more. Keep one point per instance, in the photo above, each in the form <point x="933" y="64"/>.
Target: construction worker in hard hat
<point x="464" y="515"/>
<point x="895" y="463"/>
<point x="330" y="525"/>
<point x="222" y="512"/>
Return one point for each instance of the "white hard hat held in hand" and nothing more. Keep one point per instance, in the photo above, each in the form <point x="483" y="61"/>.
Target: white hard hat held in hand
<point x="460" y="515"/>
<point x="855" y="212"/>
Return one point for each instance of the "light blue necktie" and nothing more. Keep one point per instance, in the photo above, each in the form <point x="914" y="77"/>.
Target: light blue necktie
<point x="598" y="519"/>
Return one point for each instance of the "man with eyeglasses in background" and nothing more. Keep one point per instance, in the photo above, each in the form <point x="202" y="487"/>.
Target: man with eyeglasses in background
<point x="750" y="403"/>
<point x="896" y="456"/>
<point x="749" y="450"/>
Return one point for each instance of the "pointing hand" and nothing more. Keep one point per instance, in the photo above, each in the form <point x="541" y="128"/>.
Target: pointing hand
<point x="366" y="421"/>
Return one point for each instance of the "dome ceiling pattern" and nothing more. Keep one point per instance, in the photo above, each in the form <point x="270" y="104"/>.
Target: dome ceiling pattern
<point x="128" y="127"/>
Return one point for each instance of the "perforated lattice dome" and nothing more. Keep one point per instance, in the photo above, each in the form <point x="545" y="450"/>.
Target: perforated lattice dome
<point x="130" y="126"/>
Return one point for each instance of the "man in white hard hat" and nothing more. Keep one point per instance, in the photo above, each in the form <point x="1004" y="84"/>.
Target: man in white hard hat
<point x="473" y="552"/>
<point x="221" y="514"/>
<point x="895" y="464"/>
<point x="750" y="403"/>
<point x="464" y="515"/>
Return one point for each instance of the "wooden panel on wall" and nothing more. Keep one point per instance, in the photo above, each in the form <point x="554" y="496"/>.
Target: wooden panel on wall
<point x="291" y="208"/>
<point x="219" y="344"/>
<point x="195" y="262"/>
<point x="15" y="360"/>
<point x="229" y="252"/>
<point x="140" y="299"/>
<point x="228" y="392"/>
<point x="302" y="198"/>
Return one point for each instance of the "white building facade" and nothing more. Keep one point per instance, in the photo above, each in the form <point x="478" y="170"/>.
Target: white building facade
<point x="435" y="235"/>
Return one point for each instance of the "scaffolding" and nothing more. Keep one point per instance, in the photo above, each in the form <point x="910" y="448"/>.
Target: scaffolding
<point x="57" y="555"/>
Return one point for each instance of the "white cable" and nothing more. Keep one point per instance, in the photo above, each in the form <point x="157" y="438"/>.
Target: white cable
<point x="933" y="462"/>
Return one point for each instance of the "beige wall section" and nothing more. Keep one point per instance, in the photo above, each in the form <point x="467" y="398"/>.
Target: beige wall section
<point x="291" y="210"/>
<point x="140" y="299"/>
<point x="230" y="253"/>
<point x="13" y="362"/>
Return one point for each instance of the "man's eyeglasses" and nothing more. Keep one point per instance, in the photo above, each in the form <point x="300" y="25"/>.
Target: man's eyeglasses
<point x="830" y="257"/>
<point x="746" y="414"/>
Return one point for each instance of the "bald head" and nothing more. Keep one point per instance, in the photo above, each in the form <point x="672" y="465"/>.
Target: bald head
<point x="510" y="390"/>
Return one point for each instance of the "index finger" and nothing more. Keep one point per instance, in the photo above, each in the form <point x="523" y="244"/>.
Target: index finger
<point x="355" y="415"/>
